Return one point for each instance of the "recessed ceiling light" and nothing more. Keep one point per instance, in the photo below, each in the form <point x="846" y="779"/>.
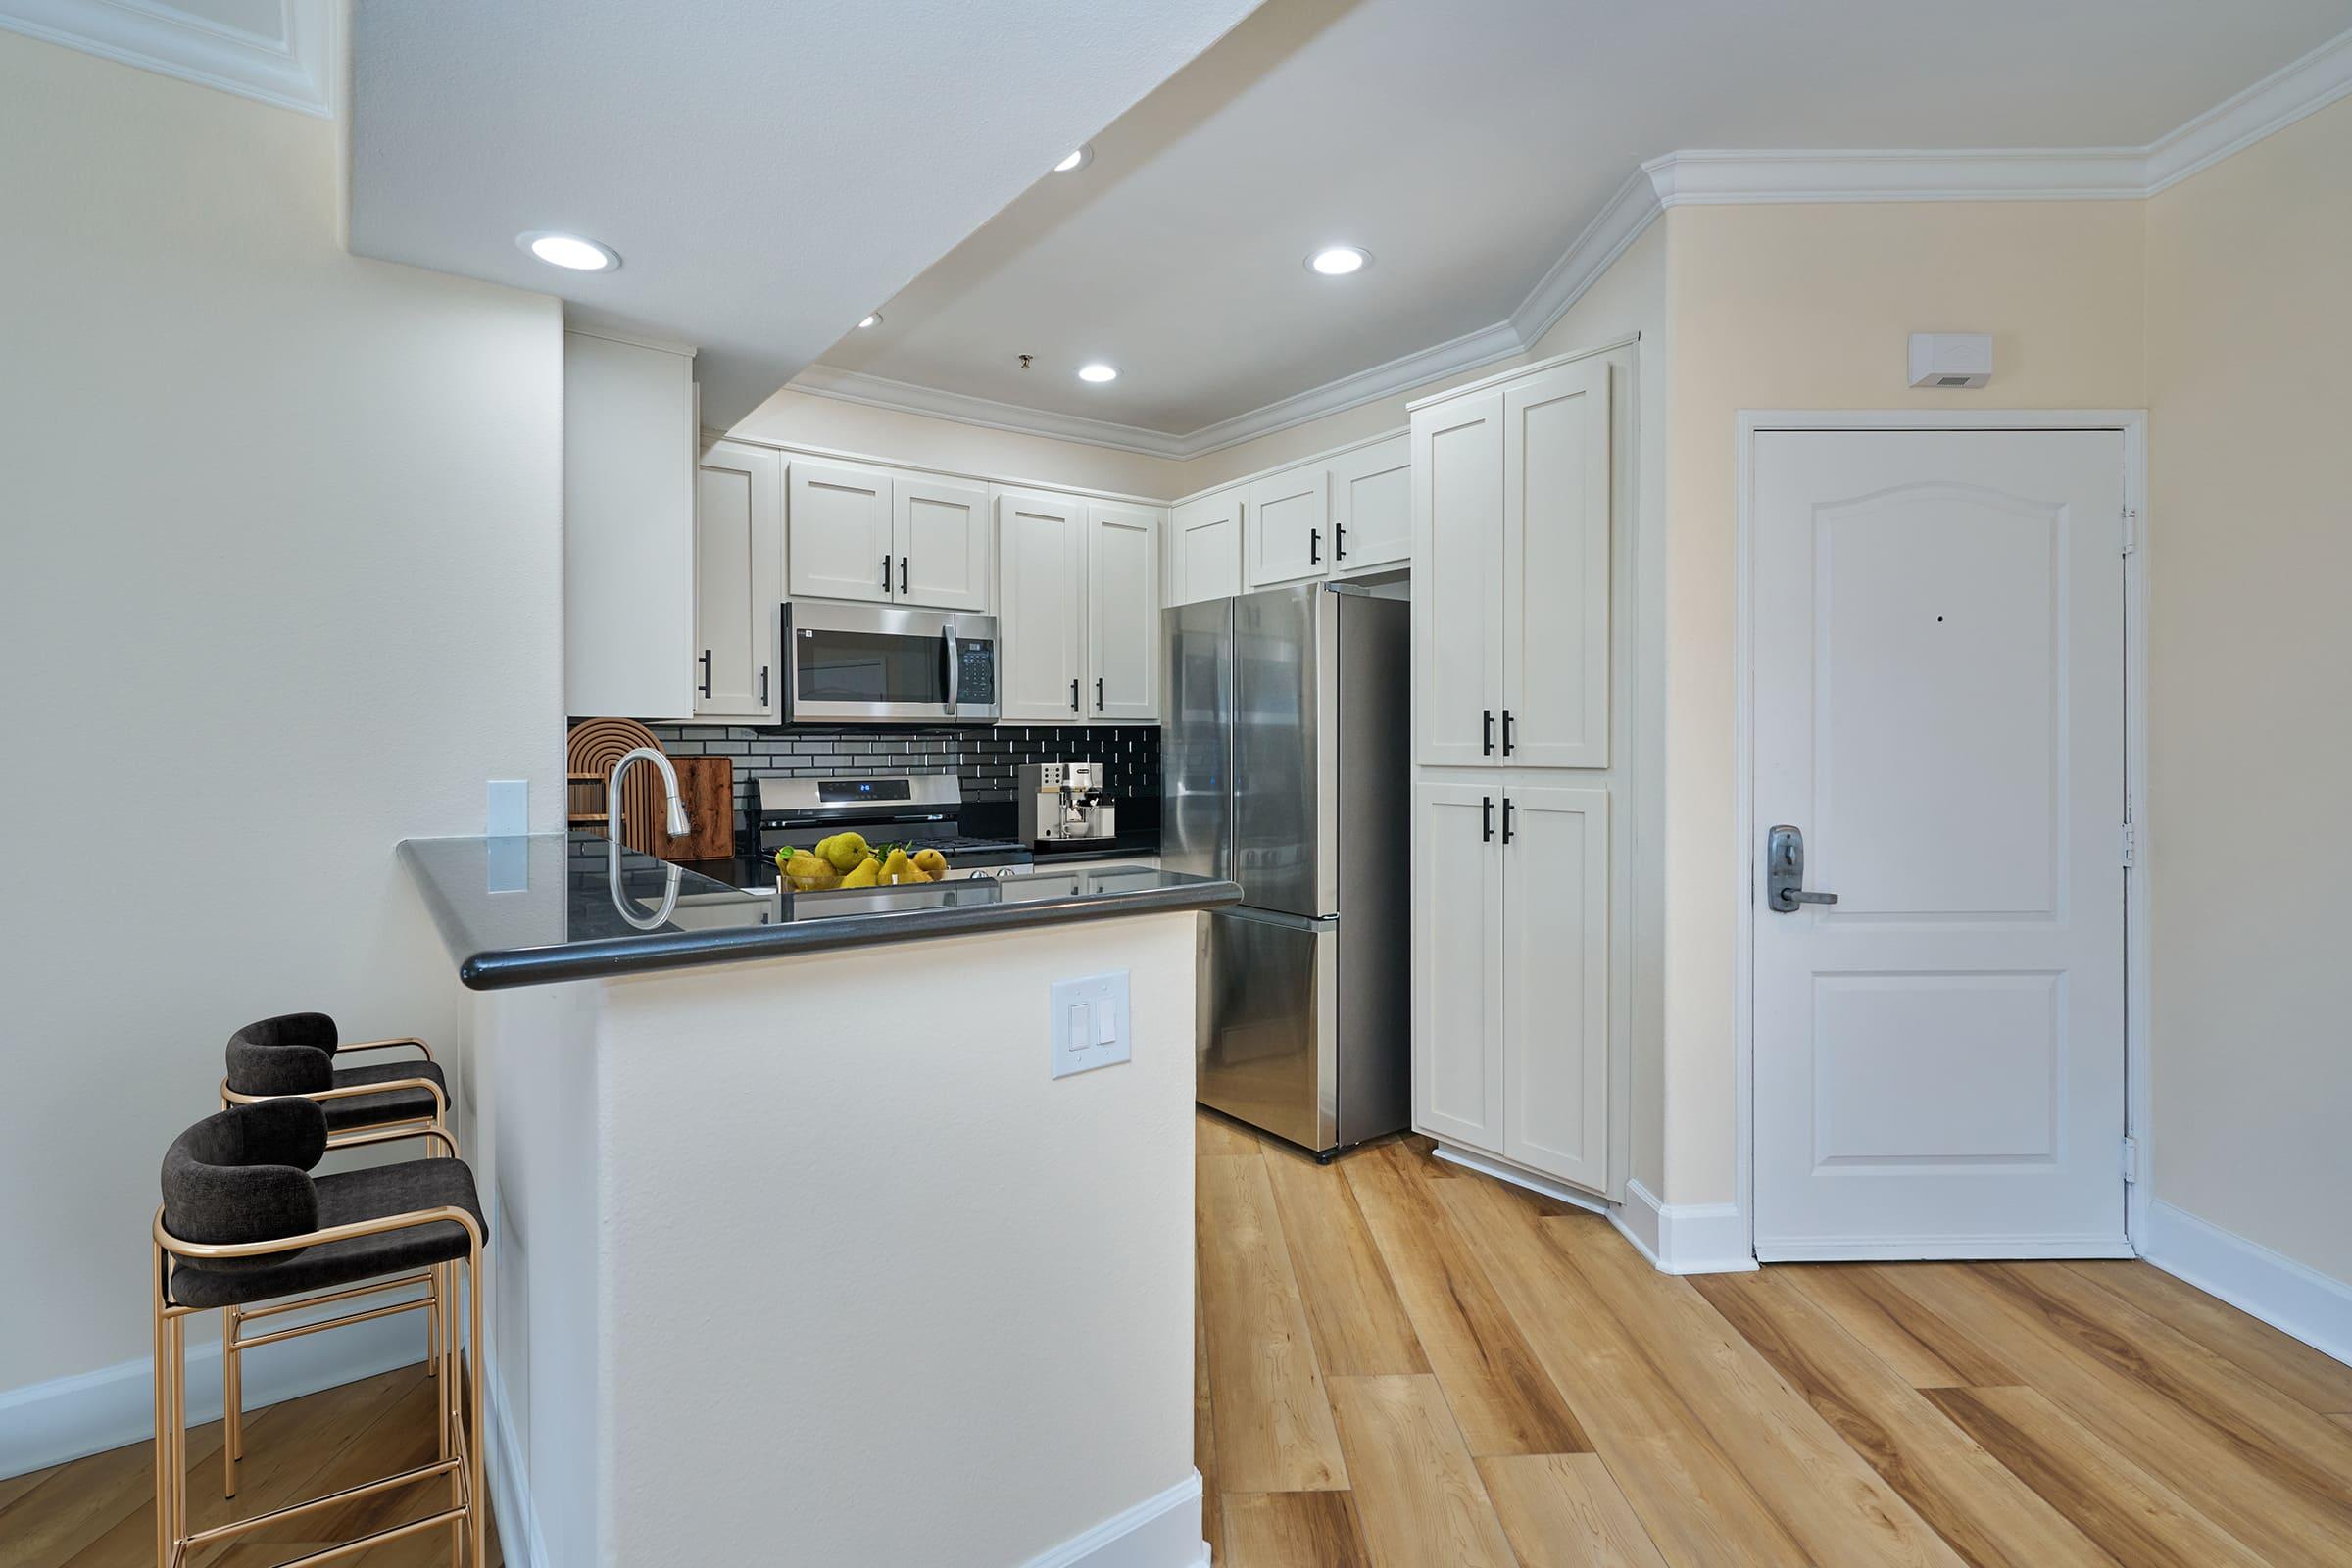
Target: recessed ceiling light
<point x="1097" y="372"/>
<point x="1338" y="261"/>
<point x="1076" y="160"/>
<point x="568" y="250"/>
<point x="874" y="319"/>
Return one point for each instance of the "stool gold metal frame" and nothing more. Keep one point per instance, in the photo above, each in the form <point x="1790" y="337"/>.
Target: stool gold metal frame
<point x="460" y="1405"/>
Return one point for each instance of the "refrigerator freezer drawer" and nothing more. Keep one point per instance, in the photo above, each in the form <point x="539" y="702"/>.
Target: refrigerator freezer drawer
<point x="1269" y="1029"/>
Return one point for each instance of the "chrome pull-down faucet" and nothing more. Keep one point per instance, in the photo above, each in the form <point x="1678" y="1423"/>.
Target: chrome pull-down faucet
<point x="678" y="825"/>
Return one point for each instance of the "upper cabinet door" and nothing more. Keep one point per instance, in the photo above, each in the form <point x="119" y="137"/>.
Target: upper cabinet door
<point x="739" y="577"/>
<point x="1457" y="581"/>
<point x="1040" y="619"/>
<point x="1122" y="610"/>
<point x="1555" y="991"/>
<point x="1290" y="526"/>
<point x="840" y="531"/>
<point x="940" y="528"/>
<point x="1372" y="507"/>
<point x="1458" y="964"/>
<point x="1555" y="567"/>
<point x="1205" y="547"/>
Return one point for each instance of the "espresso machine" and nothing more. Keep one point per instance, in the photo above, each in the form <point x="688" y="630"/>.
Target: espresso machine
<point x="1064" y="803"/>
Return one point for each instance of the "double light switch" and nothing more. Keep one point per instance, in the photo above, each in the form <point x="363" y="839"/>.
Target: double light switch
<point x="1091" y="1023"/>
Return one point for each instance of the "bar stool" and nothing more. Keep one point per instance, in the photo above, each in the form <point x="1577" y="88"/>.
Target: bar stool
<point x="296" y="1053"/>
<point x="244" y="1221"/>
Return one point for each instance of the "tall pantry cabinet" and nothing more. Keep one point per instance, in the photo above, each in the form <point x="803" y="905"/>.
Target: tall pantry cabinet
<point x="1522" y="662"/>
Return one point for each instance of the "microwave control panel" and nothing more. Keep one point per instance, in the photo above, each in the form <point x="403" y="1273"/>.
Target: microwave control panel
<point x="976" y="673"/>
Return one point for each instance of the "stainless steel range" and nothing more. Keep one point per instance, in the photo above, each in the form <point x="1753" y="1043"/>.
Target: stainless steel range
<point x="922" y="809"/>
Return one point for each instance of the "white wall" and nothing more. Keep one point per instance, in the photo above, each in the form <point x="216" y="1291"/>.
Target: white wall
<point x="2250" y="722"/>
<point x="280" y="574"/>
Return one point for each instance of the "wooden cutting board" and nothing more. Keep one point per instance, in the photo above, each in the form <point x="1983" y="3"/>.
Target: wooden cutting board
<point x="707" y="785"/>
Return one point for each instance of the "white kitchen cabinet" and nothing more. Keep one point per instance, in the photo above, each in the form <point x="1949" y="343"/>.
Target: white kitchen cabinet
<point x="1040" y="614"/>
<point x="840" y="542"/>
<point x="629" y="648"/>
<point x="1511" y="1047"/>
<point x="888" y="536"/>
<point x="1288" y="536"/>
<point x="939" y="529"/>
<point x="1122" y="610"/>
<point x="739" y="579"/>
<point x="1458" y="964"/>
<point x="1372" y="507"/>
<point x="1556" y="567"/>
<point x="1555" y="982"/>
<point x="1205" y="546"/>
<point x="1512" y="515"/>
<point x="1457" y="580"/>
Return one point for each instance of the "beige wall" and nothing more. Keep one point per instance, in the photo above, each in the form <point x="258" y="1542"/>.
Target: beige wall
<point x="1808" y="307"/>
<point x="2250" y="722"/>
<point x="280" y="578"/>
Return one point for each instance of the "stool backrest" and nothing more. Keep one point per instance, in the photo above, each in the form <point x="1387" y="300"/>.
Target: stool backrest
<point x="243" y="1175"/>
<point x="292" y="1053"/>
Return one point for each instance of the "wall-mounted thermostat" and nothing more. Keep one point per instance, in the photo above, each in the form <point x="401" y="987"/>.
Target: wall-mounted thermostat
<point x="1951" y="358"/>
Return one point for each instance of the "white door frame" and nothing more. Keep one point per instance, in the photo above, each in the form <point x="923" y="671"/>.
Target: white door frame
<point x="2132" y="423"/>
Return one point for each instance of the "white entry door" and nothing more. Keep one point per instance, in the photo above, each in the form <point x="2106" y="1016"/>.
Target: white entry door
<point x="1939" y="667"/>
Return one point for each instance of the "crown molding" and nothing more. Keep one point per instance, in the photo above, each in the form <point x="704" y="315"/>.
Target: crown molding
<point x="2302" y="87"/>
<point x="1692" y="176"/>
<point x="293" y="69"/>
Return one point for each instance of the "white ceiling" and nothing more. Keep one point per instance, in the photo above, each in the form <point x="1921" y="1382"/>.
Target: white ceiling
<point x="769" y="172"/>
<point x="1467" y="144"/>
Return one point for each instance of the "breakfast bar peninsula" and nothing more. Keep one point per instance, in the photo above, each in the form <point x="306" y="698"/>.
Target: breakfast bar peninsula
<point x="803" y="1253"/>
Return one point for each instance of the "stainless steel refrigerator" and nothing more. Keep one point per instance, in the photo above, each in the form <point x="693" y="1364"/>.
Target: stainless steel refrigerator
<point x="1285" y="769"/>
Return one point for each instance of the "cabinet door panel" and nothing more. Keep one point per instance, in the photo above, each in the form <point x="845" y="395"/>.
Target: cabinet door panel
<point x="1556" y="507"/>
<point x="1290" y="526"/>
<point x="1555" y="984"/>
<point x="940" y="528"/>
<point x="1122" y="610"/>
<point x="1041" y="619"/>
<point x="738" y="567"/>
<point x="1372" y="507"/>
<point x="1205" y="547"/>
<point x="1457" y="581"/>
<point x="1458" y="964"/>
<point x="840" y="531"/>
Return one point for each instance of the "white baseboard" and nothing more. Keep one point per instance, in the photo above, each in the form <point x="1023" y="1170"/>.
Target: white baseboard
<point x="1162" y="1532"/>
<point x="2287" y="1295"/>
<point x="513" y="1510"/>
<point x="1684" y="1238"/>
<point x="1504" y="1171"/>
<point x="66" y="1418"/>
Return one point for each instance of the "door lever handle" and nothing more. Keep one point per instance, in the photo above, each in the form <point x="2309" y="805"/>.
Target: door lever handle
<point x="1784" y="872"/>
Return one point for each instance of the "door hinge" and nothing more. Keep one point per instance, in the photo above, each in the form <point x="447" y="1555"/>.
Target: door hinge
<point x="2130" y="845"/>
<point x="2130" y="1158"/>
<point x="2131" y="530"/>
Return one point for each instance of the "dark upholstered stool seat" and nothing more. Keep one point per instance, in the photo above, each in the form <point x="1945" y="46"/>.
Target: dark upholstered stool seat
<point x="399" y="1104"/>
<point x="345" y="1198"/>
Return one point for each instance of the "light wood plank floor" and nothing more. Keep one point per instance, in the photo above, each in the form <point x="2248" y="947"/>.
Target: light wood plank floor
<point x="99" y="1513"/>
<point x="1402" y="1364"/>
<point x="1399" y="1365"/>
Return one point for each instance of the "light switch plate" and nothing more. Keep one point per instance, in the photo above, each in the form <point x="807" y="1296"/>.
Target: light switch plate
<point x="1092" y="1026"/>
<point x="510" y="807"/>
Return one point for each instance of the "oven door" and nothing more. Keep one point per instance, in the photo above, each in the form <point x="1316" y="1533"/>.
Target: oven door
<point x="873" y="665"/>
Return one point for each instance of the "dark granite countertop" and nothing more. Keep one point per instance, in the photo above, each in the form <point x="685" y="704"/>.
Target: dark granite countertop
<point x="534" y="910"/>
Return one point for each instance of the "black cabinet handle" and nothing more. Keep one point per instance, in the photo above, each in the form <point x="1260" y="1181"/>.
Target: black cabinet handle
<point x="1339" y="541"/>
<point x="1097" y="694"/>
<point x="1073" y="693"/>
<point x="1508" y="806"/>
<point x="705" y="672"/>
<point x="1315" y="547"/>
<point x="763" y="685"/>
<point x="1486" y="818"/>
<point x="886" y="574"/>
<point x="1486" y="746"/>
<point x="1507" y="742"/>
<point x="902" y="577"/>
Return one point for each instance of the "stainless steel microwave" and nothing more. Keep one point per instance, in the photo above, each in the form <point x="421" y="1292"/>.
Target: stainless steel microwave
<point x="878" y="664"/>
